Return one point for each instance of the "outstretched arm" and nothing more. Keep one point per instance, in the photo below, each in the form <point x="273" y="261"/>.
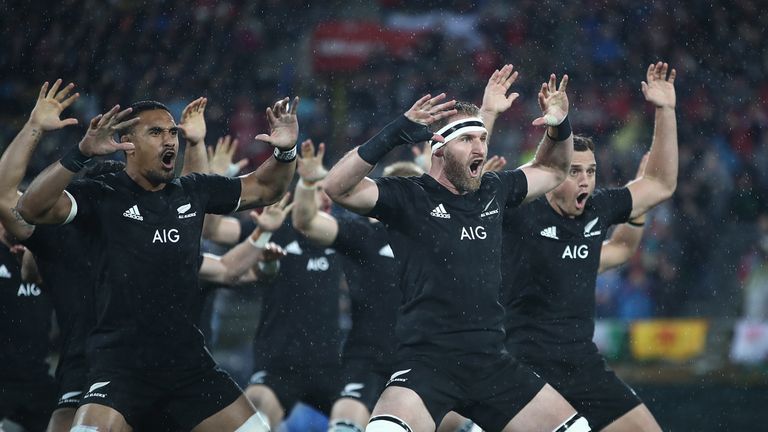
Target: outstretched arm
<point x="495" y="99"/>
<point x="223" y="229"/>
<point x="625" y="238"/>
<point x="347" y="183"/>
<point x="45" y="201"/>
<point x="320" y="227"/>
<point x="243" y="263"/>
<point x="660" y="179"/>
<point x="193" y="127"/>
<point x="270" y="181"/>
<point x="553" y="157"/>
<point x="45" y="117"/>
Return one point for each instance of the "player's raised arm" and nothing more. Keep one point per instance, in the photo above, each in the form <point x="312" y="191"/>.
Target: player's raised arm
<point x="347" y="184"/>
<point x="45" y="201"/>
<point x="660" y="179"/>
<point x="193" y="128"/>
<point x="626" y="238"/>
<point x="320" y="227"/>
<point x="553" y="156"/>
<point x="45" y="117"/>
<point x="495" y="99"/>
<point x="270" y="181"/>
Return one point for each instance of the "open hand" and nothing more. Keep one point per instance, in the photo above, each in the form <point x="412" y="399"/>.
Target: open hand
<point x="193" y="121"/>
<point x="50" y="104"/>
<point x="495" y="99"/>
<point x="553" y="102"/>
<point x="99" y="140"/>
<point x="220" y="158"/>
<point x="310" y="166"/>
<point x="283" y="124"/>
<point x="660" y="88"/>
<point x="273" y="216"/>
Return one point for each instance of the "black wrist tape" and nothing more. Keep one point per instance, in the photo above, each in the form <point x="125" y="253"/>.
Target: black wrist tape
<point x="400" y="131"/>
<point x="74" y="160"/>
<point x="636" y="224"/>
<point x="563" y="130"/>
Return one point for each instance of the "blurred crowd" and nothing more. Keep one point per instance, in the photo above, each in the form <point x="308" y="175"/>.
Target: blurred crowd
<point x="702" y="252"/>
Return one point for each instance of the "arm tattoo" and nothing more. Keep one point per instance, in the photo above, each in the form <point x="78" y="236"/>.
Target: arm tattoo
<point x="20" y="219"/>
<point x="36" y="135"/>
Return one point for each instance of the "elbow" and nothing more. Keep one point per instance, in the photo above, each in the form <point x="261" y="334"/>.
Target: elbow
<point x="333" y="189"/>
<point x="668" y="190"/>
<point x="28" y="214"/>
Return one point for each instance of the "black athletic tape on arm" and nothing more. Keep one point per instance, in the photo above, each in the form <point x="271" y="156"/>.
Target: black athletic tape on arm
<point x="74" y="160"/>
<point x="563" y="130"/>
<point x="400" y="131"/>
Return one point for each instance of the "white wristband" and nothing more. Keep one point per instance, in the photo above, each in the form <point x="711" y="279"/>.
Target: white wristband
<point x="302" y="184"/>
<point x="262" y="241"/>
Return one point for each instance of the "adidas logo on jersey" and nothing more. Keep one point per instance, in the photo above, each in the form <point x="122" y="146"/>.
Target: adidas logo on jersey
<point x="133" y="213"/>
<point x="550" y="232"/>
<point x="440" y="212"/>
<point x="4" y="273"/>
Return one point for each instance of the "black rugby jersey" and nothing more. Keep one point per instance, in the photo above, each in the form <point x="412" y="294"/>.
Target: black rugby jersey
<point x="374" y="287"/>
<point x="63" y="260"/>
<point x="25" y="320"/>
<point x="146" y="260"/>
<point x="450" y="247"/>
<point x="549" y="271"/>
<point x="299" y="323"/>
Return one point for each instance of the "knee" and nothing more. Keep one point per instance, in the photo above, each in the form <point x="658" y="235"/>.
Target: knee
<point x="387" y="423"/>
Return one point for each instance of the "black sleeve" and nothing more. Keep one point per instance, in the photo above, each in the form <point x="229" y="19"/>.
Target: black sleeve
<point x="218" y="194"/>
<point x="86" y="195"/>
<point x="395" y="198"/>
<point x="352" y="235"/>
<point x="515" y="186"/>
<point x="615" y="204"/>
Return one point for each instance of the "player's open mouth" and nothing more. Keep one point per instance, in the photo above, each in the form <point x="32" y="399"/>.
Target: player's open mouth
<point x="168" y="157"/>
<point x="581" y="200"/>
<point x="475" y="167"/>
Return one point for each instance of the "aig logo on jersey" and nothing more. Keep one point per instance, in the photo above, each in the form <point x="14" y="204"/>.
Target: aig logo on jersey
<point x="575" y="252"/>
<point x="28" y="290"/>
<point x="318" y="264"/>
<point x="166" y="236"/>
<point x="473" y="233"/>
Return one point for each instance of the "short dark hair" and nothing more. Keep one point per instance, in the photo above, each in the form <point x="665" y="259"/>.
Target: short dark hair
<point x="141" y="106"/>
<point x="583" y="143"/>
<point x="103" y="167"/>
<point x="462" y="108"/>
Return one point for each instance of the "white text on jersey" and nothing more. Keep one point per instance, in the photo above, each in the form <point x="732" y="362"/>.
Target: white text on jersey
<point x="575" y="251"/>
<point x="473" y="233"/>
<point x="166" y="236"/>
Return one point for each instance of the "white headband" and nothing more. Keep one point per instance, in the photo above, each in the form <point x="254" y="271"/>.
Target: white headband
<point x="459" y="127"/>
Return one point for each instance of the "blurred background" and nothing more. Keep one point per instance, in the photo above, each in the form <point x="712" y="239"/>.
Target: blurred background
<point x="685" y="322"/>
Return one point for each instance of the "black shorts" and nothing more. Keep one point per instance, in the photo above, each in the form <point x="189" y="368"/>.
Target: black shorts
<point x="589" y="385"/>
<point x="71" y="377"/>
<point x="489" y="390"/>
<point x="189" y="396"/>
<point x="28" y="403"/>
<point x="317" y="386"/>
<point x="363" y="379"/>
